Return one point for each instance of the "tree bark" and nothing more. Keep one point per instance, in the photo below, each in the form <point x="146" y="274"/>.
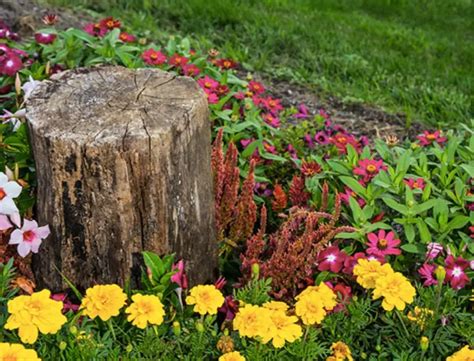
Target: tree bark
<point x="123" y="165"/>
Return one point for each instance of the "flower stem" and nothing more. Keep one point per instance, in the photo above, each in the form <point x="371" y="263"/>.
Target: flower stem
<point x="402" y="322"/>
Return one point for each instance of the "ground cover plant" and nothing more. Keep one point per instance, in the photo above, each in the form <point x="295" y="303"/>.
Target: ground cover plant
<point x="331" y="246"/>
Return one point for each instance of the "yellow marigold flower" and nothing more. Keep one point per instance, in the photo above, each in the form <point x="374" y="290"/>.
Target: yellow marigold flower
<point x="205" y="298"/>
<point x="396" y="291"/>
<point x="145" y="309"/>
<point x="232" y="356"/>
<point x="367" y="272"/>
<point x="464" y="354"/>
<point x="326" y="295"/>
<point x="16" y="352"/>
<point x="420" y="316"/>
<point x="104" y="301"/>
<point x="253" y="321"/>
<point x="32" y="313"/>
<point x="310" y="308"/>
<point x="284" y="328"/>
<point x="340" y="352"/>
<point x="276" y="306"/>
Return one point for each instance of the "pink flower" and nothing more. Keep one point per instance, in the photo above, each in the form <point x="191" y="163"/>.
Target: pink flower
<point x="271" y="120"/>
<point x="153" y="57"/>
<point x="292" y="151"/>
<point x="5" y="223"/>
<point x="180" y="276"/>
<point x="8" y="191"/>
<point x="427" y="274"/>
<point x="272" y="105"/>
<point x="109" y="23"/>
<point x="212" y="98"/>
<point x="178" y="60"/>
<point x="331" y="259"/>
<point x="225" y="63"/>
<point x="348" y="193"/>
<point x="455" y="274"/>
<point x="246" y="141"/>
<point x="321" y="138"/>
<point x="229" y="308"/>
<point x="428" y="138"/>
<point x="369" y="168"/>
<point x="10" y="64"/>
<point x="433" y="250"/>
<point x="302" y="112"/>
<point x="95" y="29"/>
<point x="418" y="183"/>
<point x="208" y="84"/>
<point x="383" y="244"/>
<point x="67" y="304"/>
<point x="29" y="237"/>
<point x="471" y="229"/>
<point x="42" y="38"/>
<point x="220" y="282"/>
<point x="351" y="261"/>
<point x="191" y="70"/>
<point x="344" y="295"/>
<point x="269" y="148"/>
<point x="255" y="87"/>
<point x="342" y="140"/>
<point x="126" y="37"/>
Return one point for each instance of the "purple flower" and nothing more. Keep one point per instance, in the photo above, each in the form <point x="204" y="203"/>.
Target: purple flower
<point x="302" y="112"/>
<point x="42" y="38"/>
<point x="321" y="138"/>
<point x="309" y="140"/>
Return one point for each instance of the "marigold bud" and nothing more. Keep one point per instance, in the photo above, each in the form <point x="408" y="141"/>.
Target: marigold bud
<point x="440" y="274"/>
<point x="129" y="348"/>
<point x="62" y="345"/>
<point x="424" y="343"/>
<point x="199" y="326"/>
<point x="176" y="328"/>
<point x="73" y="330"/>
<point x="225" y="344"/>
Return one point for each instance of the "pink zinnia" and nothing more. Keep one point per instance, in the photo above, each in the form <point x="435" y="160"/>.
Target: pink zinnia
<point x="321" y="138"/>
<point x="127" y="38"/>
<point x="191" y="70"/>
<point x="331" y="259"/>
<point x="208" y="84"/>
<point x="271" y="120"/>
<point x="428" y="138"/>
<point x="383" y="244"/>
<point x="427" y="274"/>
<point x="348" y="193"/>
<point x="255" y="87"/>
<point x="369" y="168"/>
<point x="42" y="38"/>
<point x="212" y="98"/>
<point x="418" y="183"/>
<point x="272" y="105"/>
<point x="95" y="29"/>
<point x="342" y="140"/>
<point x="153" y="57"/>
<point x="455" y="274"/>
<point x="178" y="60"/>
<point x="29" y="237"/>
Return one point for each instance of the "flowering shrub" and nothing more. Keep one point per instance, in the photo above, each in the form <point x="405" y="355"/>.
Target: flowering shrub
<point x="333" y="246"/>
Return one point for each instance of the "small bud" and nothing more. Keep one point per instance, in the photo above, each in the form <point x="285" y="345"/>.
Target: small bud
<point x="378" y="348"/>
<point x="255" y="270"/>
<point x="424" y="343"/>
<point x="47" y="68"/>
<point x="199" y="326"/>
<point x="129" y="348"/>
<point x="440" y="274"/>
<point x="363" y="356"/>
<point x="176" y="328"/>
<point x="142" y="41"/>
<point x="17" y="84"/>
<point x="73" y="330"/>
<point x="410" y="203"/>
<point x="62" y="345"/>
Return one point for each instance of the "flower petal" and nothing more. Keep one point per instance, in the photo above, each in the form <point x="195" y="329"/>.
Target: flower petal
<point x="16" y="237"/>
<point x="12" y="189"/>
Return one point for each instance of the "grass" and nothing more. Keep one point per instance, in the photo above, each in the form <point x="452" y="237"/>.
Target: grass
<point x="414" y="57"/>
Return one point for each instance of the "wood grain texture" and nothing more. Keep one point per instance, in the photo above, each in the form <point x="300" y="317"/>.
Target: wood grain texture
<point x="123" y="165"/>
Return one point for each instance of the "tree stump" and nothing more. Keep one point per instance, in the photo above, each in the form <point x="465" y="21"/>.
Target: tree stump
<point x="123" y="165"/>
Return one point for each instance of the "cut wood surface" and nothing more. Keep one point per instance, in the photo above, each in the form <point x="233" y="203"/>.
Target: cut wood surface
<point x="123" y="165"/>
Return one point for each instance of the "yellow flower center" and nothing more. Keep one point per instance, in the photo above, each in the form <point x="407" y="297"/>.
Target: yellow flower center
<point x="154" y="56"/>
<point x="371" y="168"/>
<point x="431" y="137"/>
<point x="382" y="243"/>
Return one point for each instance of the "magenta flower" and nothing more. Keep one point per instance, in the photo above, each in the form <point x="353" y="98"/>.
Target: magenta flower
<point x="308" y="139"/>
<point x="95" y="29"/>
<point x="10" y="64"/>
<point x="153" y="57"/>
<point x="269" y="148"/>
<point x="433" y="250"/>
<point x="383" y="244"/>
<point x="42" y="38"/>
<point x="321" y="138"/>
<point x="67" y="304"/>
<point x="262" y="189"/>
<point x="351" y="261"/>
<point x="427" y="273"/>
<point x="212" y="98"/>
<point x="8" y="191"/>
<point x="428" y="138"/>
<point x="348" y="193"/>
<point x="341" y="140"/>
<point x="272" y="105"/>
<point x="369" y="168"/>
<point x="229" y="308"/>
<point x="331" y="259"/>
<point x="292" y="151"/>
<point x="418" y="183"/>
<point x="126" y="37"/>
<point x="455" y="274"/>
<point x="255" y="87"/>
<point x="302" y="112"/>
<point x="177" y="60"/>
<point x="220" y="282"/>
<point x="271" y="120"/>
<point x="191" y="70"/>
<point x="29" y="237"/>
<point x="208" y="84"/>
<point x="180" y="276"/>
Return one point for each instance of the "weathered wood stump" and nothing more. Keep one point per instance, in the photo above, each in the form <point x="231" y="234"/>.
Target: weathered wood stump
<point x="123" y="165"/>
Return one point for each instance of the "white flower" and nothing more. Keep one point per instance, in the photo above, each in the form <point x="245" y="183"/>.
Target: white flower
<point x="8" y="191"/>
<point x="29" y="237"/>
<point x="28" y="87"/>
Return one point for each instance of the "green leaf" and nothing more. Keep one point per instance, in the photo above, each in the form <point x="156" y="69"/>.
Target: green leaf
<point x="390" y="202"/>
<point x="154" y="263"/>
<point x="409" y="232"/>
<point x="413" y="248"/>
<point x="420" y="208"/>
<point x="425" y="234"/>
<point x="458" y="222"/>
<point x="354" y="185"/>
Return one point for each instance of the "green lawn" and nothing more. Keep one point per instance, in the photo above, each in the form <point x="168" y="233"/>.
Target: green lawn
<point x="411" y="56"/>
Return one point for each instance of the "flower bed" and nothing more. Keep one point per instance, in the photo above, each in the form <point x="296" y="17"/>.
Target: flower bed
<point x="331" y="246"/>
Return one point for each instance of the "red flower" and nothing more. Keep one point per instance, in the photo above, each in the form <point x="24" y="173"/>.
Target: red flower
<point x="153" y="57"/>
<point x="208" y="84"/>
<point x="191" y="70"/>
<point x="351" y="261"/>
<point x="255" y="87"/>
<point x="225" y="63"/>
<point x="471" y="229"/>
<point x="178" y="60"/>
<point x="126" y="37"/>
<point x="67" y="304"/>
<point x="383" y="244"/>
<point x="271" y="120"/>
<point x="344" y="295"/>
<point x="342" y="140"/>
<point x="369" y="168"/>
<point x="272" y="105"/>
<point x="331" y="259"/>
<point x="418" y="183"/>
<point x="297" y="192"/>
<point x="222" y="89"/>
<point x="280" y="199"/>
<point x="309" y="169"/>
<point x="50" y="19"/>
<point x="455" y="274"/>
<point x="42" y="38"/>
<point x="109" y="23"/>
<point x="427" y="273"/>
<point x="10" y="64"/>
<point x="95" y="29"/>
<point x="220" y="283"/>
<point x="229" y="308"/>
<point x="428" y="138"/>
